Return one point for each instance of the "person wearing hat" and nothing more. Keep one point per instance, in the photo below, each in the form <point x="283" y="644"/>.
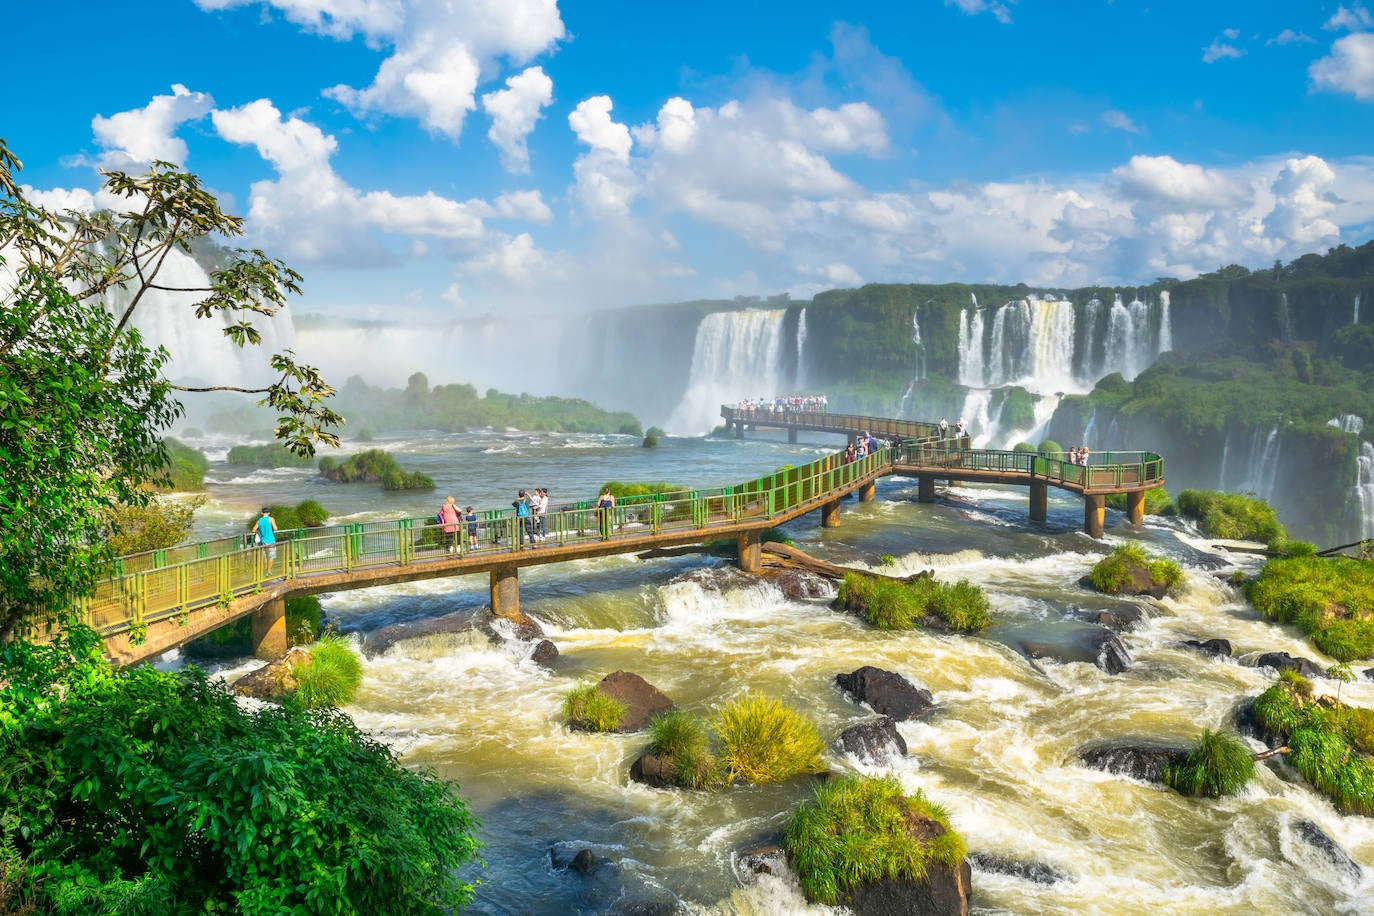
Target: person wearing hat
<point x="267" y="533"/>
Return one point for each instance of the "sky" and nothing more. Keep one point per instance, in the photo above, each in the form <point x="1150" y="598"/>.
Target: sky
<point x="446" y="159"/>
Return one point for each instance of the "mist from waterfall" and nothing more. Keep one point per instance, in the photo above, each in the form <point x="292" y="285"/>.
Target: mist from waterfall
<point x="735" y="355"/>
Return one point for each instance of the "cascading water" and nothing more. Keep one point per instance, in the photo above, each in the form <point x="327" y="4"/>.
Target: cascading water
<point x="1166" y="327"/>
<point x="919" y="372"/>
<point x="1355" y="319"/>
<point x="1128" y="338"/>
<point x="736" y="354"/>
<point x="1225" y="456"/>
<point x="1348" y="423"/>
<point x="1364" y="489"/>
<point x="1285" y="319"/>
<point x="801" y="351"/>
<point x="1263" y="467"/>
<point x="971" y="346"/>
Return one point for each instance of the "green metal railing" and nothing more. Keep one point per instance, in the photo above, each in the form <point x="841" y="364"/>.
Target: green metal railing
<point x="157" y="585"/>
<point x="822" y="421"/>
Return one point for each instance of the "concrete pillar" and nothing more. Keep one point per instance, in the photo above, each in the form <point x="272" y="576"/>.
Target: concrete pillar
<point x="1094" y="515"/>
<point x="505" y="591"/>
<point x="739" y="429"/>
<point x="750" y="553"/>
<point x="1135" y="507"/>
<point x="792" y="435"/>
<point x="868" y="492"/>
<point x="830" y="514"/>
<point x="1039" y="500"/>
<point x="269" y="630"/>
<point x="925" y="489"/>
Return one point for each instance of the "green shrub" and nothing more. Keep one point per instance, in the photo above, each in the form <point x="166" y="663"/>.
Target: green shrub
<point x="622" y="489"/>
<point x="676" y="735"/>
<point x="1287" y="548"/>
<point x="220" y="809"/>
<point x="585" y="707"/>
<point x="1157" y="502"/>
<point x="891" y="605"/>
<point x="1112" y="574"/>
<point x="1218" y="764"/>
<point x="271" y="455"/>
<point x="1278" y="711"/>
<point x="331" y="677"/>
<point x="185" y="467"/>
<point x="1023" y="447"/>
<point x="1230" y="515"/>
<point x="311" y="513"/>
<point x="1051" y="449"/>
<point x="857" y="829"/>
<point x="763" y="741"/>
<point x="373" y="466"/>
<point x="652" y="436"/>
<point x="1330" y="599"/>
<point x="962" y="605"/>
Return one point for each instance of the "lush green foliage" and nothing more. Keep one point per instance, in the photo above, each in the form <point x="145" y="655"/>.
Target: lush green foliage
<point x="675" y="734"/>
<point x="140" y="790"/>
<point x="763" y="741"/>
<point x="1330" y="599"/>
<point x="891" y="605"/>
<point x="1230" y="515"/>
<point x="454" y="408"/>
<point x="1023" y="447"/>
<point x="305" y="514"/>
<point x="1330" y="746"/>
<point x="331" y="677"/>
<point x="374" y="466"/>
<point x="155" y="525"/>
<point x="1157" y="502"/>
<point x="621" y="489"/>
<point x="271" y="455"/>
<point x="1218" y="764"/>
<point x="859" y="829"/>
<point x="1112" y="573"/>
<point x="303" y="615"/>
<point x="652" y="436"/>
<point x="186" y="466"/>
<point x="1051" y="449"/>
<point x="311" y="513"/>
<point x="587" y="708"/>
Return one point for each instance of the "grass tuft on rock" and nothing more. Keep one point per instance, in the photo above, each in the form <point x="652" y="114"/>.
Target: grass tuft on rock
<point x="892" y="605"/>
<point x="1112" y="574"/>
<point x="1218" y="764"/>
<point x="332" y="675"/>
<point x="1332" y="600"/>
<point x="1230" y="515"/>
<point x="860" y="829"/>
<point x="1330" y="744"/>
<point x="763" y="741"/>
<point x="585" y="707"/>
<point x="675" y="734"/>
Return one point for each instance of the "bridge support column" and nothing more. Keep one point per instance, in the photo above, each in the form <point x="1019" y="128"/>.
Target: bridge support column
<point x="269" y="630"/>
<point x="739" y="429"/>
<point x="868" y="492"/>
<point x="750" y="553"/>
<point x="830" y="514"/>
<point x="505" y="591"/>
<point x="1094" y="515"/>
<point x="925" y="488"/>
<point x="1039" y="500"/>
<point x="1135" y="507"/>
<point x="792" y="435"/>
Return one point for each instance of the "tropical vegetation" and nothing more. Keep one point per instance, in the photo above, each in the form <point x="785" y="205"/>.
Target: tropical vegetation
<point x="268" y="455"/>
<point x="1238" y="516"/>
<point x="760" y="740"/>
<point x="331" y="676"/>
<point x="889" y="604"/>
<point x="1331" y="600"/>
<point x="1113" y="573"/>
<point x="374" y="466"/>
<point x="588" y="708"/>
<point x="1218" y="763"/>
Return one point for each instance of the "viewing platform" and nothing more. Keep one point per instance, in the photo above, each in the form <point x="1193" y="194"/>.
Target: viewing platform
<point x="156" y="601"/>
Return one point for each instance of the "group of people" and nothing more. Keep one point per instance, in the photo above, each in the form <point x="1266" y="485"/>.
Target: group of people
<point x="861" y="447"/>
<point x="531" y="508"/>
<point x="453" y="519"/>
<point x="1079" y="455"/>
<point x="960" y="430"/>
<point x="794" y="403"/>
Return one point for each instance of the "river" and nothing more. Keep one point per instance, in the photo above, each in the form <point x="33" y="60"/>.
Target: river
<point x="998" y="751"/>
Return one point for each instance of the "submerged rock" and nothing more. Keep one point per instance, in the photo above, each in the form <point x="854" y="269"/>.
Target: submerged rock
<point x="379" y="641"/>
<point x="642" y="700"/>
<point x="544" y="653"/>
<point x="1125" y="617"/>
<point x="886" y="693"/>
<point x="801" y="586"/>
<point x="941" y="891"/>
<point x="500" y="629"/>
<point x="273" y="679"/>
<point x="1217" y="648"/>
<point x="654" y="771"/>
<point x="1036" y="872"/>
<point x="1096" y="645"/>
<point x="1141" y="760"/>
<point x="1327" y="848"/>
<point x="1282" y="661"/>
<point x="765" y="857"/>
<point x="877" y="741"/>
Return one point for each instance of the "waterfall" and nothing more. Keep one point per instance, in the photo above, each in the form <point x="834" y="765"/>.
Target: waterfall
<point x="1166" y="331"/>
<point x="1347" y="423"/>
<point x="1091" y="364"/>
<point x="736" y="355"/>
<point x="1090" y="433"/>
<point x="971" y="347"/>
<point x="1364" y="489"/>
<point x="1356" y="318"/>
<point x="1285" y="319"/>
<point x="801" y="350"/>
<point x="977" y="416"/>
<point x="919" y="372"/>
<point x="1043" y="411"/>
<point x="1225" y="455"/>
<point x="1264" y="463"/>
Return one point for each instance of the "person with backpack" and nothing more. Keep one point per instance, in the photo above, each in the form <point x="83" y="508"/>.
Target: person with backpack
<point x="266" y="535"/>
<point x="470" y="516"/>
<point x="449" y="517"/>
<point x="605" y="513"/>
<point x="524" y="518"/>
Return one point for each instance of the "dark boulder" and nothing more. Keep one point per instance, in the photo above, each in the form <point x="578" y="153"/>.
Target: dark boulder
<point x="1369" y="673"/>
<point x="1144" y="761"/>
<point x="801" y="586"/>
<point x="642" y="699"/>
<point x="273" y="679"/>
<point x="1125" y="617"/>
<point x="1282" y="661"/>
<point x="1326" y="848"/>
<point x="655" y="772"/>
<point x="379" y="641"/>
<point x="765" y="857"/>
<point x="544" y="653"/>
<point x="886" y="693"/>
<point x="1096" y="645"/>
<point x="1140" y="583"/>
<point x="1217" y="648"/>
<point x="1036" y="872"/>
<point x="501" y="629"/>
<point x="877" y="741"/>
<point x="942" y="891"/>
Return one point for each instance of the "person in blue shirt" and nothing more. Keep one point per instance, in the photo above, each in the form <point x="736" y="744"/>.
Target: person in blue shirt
<point x="267" y="533"/>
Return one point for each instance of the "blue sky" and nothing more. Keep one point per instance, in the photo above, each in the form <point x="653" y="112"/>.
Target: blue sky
<point x="453" y="158"/>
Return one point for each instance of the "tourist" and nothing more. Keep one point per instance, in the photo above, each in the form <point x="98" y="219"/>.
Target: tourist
<point x="470" y="516"/>
<point x="267" y="535"/>
<point x="449" y="517"/>
<point x="944" y="428"/>
<point x="605" y="511"/>
<point x="1083" y="456"/>
<point x="524" y="521"/>
<point x="959" y="429"/>
<point x="541" y="511"/>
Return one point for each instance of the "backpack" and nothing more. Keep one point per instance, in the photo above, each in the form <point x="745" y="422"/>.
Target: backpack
<point x="439" y="517"/>
<point x="522" y="508"/>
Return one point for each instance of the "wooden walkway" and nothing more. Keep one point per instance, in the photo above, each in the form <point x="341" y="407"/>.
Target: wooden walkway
<point x="156" y="601"/>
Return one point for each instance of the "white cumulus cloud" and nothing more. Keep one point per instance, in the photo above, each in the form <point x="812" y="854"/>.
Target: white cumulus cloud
<point x="1353" y="19"/>
<point x="1348" y="68"/>
<point x="514" y="112"/>
<point x="973" y="7"/>
<point x="138" y="137"/>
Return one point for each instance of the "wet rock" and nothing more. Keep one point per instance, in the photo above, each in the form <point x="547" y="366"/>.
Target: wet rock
<point x="642" y="699"/>
<point x="1096" y="645"/>
<point x="1140" y="583"/>
<point x="1282" y="661"/>
<point x="641" y="904"/>
<point x="942" y="891"/>
<point x="599" y="878"/>
<point x="801" y="586"/>
<point x="1126" y="617"/>
<point x="379" y="641"/>
<point x="1369" y="673"/>
<point x="654" y="771"/>
<point x="766" y="857"/>
<point x="273" y="679"/>
<point x="1327" y="848"/>
<point x="886" y="693"/>
<point x="1217" y="648"/>
<point x="1144" y="761"/>
<point x="1248" y="724"/>
<point x="545" y="653"/>
<point x="874" y="742"/>
<point x="1036" y="872"/>
<point x="500" y="629"/>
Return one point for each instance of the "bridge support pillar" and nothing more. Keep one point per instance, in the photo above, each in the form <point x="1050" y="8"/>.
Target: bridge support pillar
<point x="1039" y="500"/>
<point x="505" y="591"/>
<point x="830" y="514"/>
<point x="739" y="430"/>
<point x="269" y="630"/>
<point x="925" y="488"/>
<point x="750" y="553"/>
<point x="792" y="435"/>
<point x="1135" y="507"/>
<point x="868" y="492"/>
<point x="1094" y="515"/>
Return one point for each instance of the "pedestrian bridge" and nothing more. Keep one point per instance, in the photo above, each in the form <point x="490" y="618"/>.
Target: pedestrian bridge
<point x="156" y="601"/>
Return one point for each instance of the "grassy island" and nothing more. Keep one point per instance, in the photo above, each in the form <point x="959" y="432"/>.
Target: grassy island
<point x="1116" y="572"/>
<point x="1230" y="515"/>
<point x="891" y="605"/>
<point x="1332" y="600"/>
